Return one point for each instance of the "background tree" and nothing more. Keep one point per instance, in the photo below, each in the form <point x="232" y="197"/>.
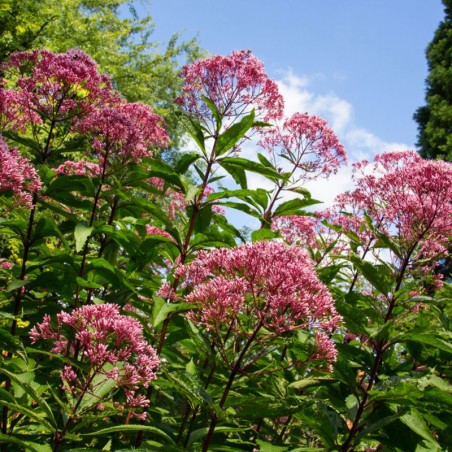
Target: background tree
<point x="435" y="118"/>
<point x="113" y="34"/>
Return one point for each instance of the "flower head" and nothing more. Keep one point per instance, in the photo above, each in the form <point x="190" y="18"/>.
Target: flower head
<point x="112" y="344"/>
<point x="80" y="168"/>
<point x="306" y="141"/>
<point x="58" y="85"/>
<point x="124" y="132"/>
<point x="268" y="283"/>
<point x="17" y="175"/>
<point x="407" y="198"/>
<point x="235" y="84"/>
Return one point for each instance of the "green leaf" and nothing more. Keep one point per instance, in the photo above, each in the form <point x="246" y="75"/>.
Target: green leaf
<point x="249" y="165"/>
<point x="32" y="414"/>
<point x="81" y="234"/>
<point x="225" y="194"/>
<point x="65" y="184"/>
<point x="161" y="169"/>
<point x="161" y="310"/>
<point x="242" y="207"/>
<point x="263" y="234"/>
<point x="132" y="428"/>
<point x="385" y="241"/>
<point x="417" y="424"/>
<point x="378" y="275"/>
<point x="102" y="387"/>
<point x="264" y="161"/>
<point x="378" y="425"/>
<point x="301" y="191"/>
<point x="50" y="421"/>
<point x="203" y="218"/>
<point x="300" y="384"/>
<point x="12" y="344"/>
<point x="27" y="445"/>
<point x="189" y="385"/>
<point x="185" y="161"/>
<point x="231" y="136"/>
<point x="199" y="434"/>
<point x="213" y="108"/>
<point x="237" y="173"/>
<point x="264" y="446"/>
<point x="294" y="207"/>
<point x="428" y="339"/>
<point x="194" y="129"/>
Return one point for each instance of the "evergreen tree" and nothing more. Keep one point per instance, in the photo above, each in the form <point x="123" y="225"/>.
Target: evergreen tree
<point x="435" y="118"/>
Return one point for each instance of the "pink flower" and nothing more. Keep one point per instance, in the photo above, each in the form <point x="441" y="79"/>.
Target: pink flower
<point x="307" y="142"/>
<point x="57" y="85"/>
<point x="408" y="199"/>
<point x="296" y="229"/>
<point x="5" y="264"/>
<point x="215" y="208"/>
<point x="111" y="343"/>
<point x="153" y="230"/>
<point x="17" y="175"/>
<point x="80" y="168"/>
<point x="264" y="283"/>
<point x="235" y="84"/>
<point x="124" y="132"/>
<point x="12" y="115"/>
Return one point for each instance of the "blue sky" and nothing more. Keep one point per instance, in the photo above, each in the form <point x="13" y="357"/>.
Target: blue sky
<point x="360" y="64"/>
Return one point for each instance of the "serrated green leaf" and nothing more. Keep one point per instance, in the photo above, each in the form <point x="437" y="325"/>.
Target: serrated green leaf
<point x="414" y="421"/>
<point x="185" y="161"/>
<point x="427" y="339"/>
<point x="27" y="445"/>
<point x="232" y="135"/>
<point x="250" y="165"/>
<point x="263" y="234"/>
<point x="294" y="207"/>
<point x="131" y="428"/>
<point x="50" y="418"/>
<point x="81" y="234"/>
<point x="378" y="275"/>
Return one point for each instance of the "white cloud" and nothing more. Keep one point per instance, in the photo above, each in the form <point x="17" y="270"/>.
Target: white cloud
<point x="358" y="142"/>
<point x="298" y="98"/>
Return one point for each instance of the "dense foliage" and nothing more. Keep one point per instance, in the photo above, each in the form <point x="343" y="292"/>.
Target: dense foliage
<point x="134" y="315"/>
<point x="435" y="118"/>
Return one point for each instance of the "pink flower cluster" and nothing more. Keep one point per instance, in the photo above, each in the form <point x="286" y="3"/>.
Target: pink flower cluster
<point x="17" y="175"/>
<point x="80" y="168"/>
<point x="263" y="283"/>
<point x="307" y="143"/>
<point x="153" y="230"/>
<point x="234" y="83"/>
<point x="174" y="202"/>
<point x="113" y="346"/>
<point x="5" y="264"/>
<point x="12" y="116"/>
<point x="296" y="229"/>
<point x="407" y="198"/>
<point x="124" y="132"/>
<point x="57" y="85"/>
<point x="215" y="208"/>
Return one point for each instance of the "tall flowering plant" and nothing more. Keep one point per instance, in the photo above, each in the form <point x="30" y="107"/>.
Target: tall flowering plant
<point x="398" y="222"/>
<point x="133" y="314"/>
<point x="110" y="353"/>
